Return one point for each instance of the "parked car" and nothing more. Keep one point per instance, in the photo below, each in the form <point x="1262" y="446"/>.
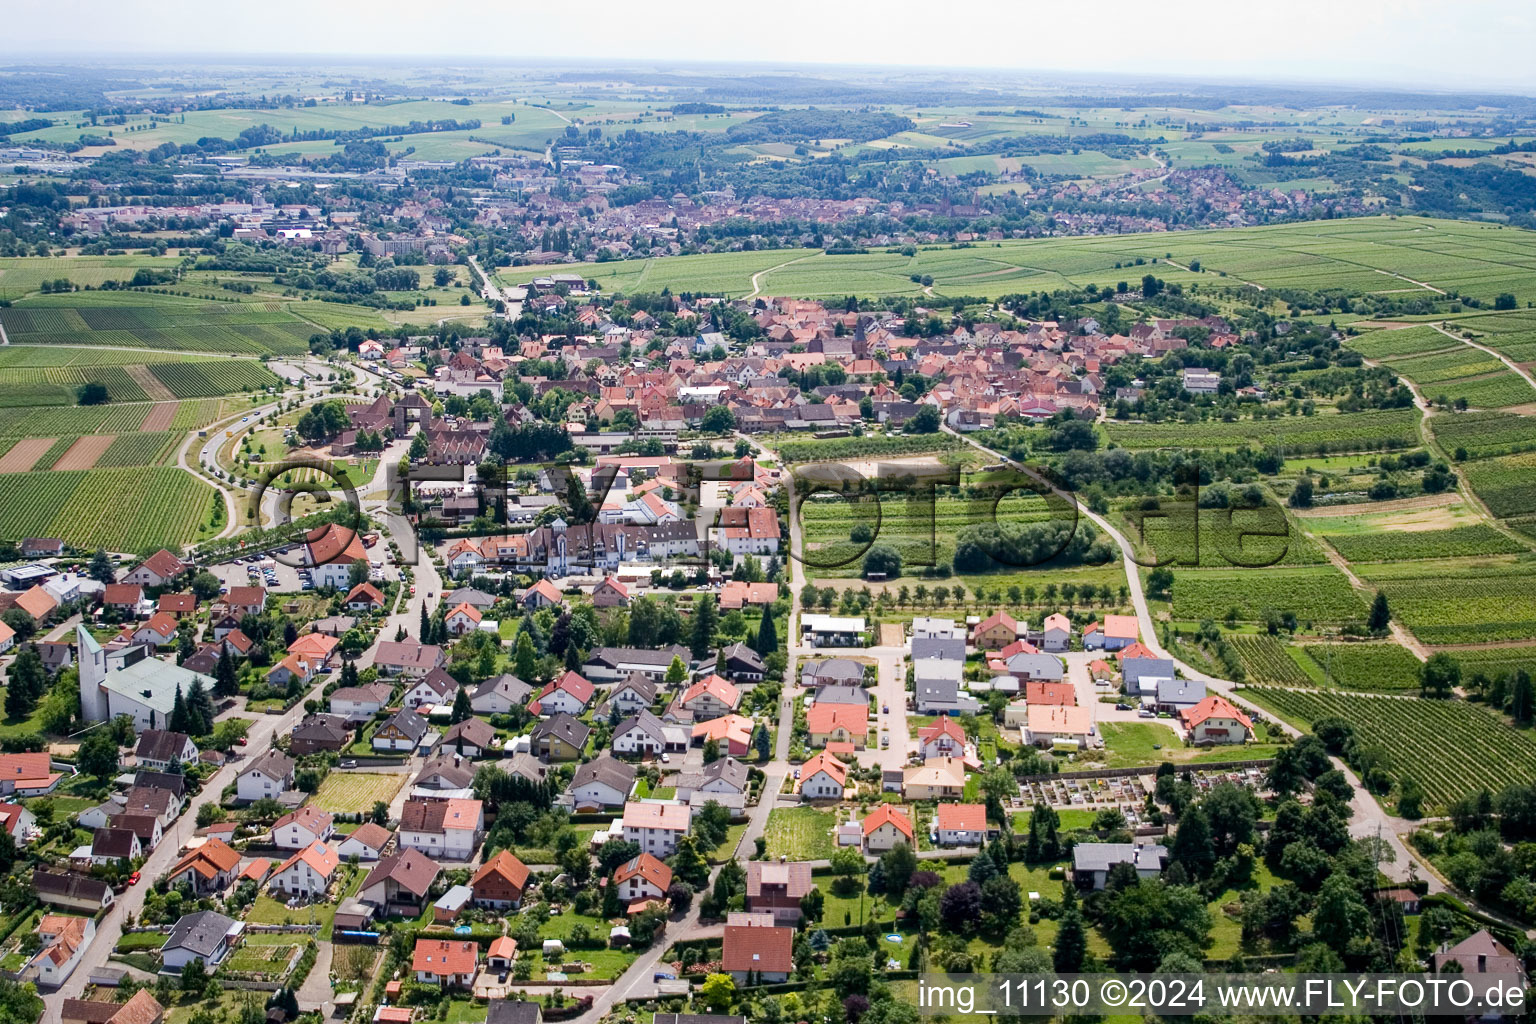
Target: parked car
<point x="133" y="879"/>
<point x="1122" y="707"/>
<point x="349" y="763"/>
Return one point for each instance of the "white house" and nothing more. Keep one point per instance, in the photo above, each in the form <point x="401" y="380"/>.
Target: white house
<point x="307" y="873"/>
<point x="602" y="783"/>
<point x="205" y="935"/>
<point x="360" y="703"/>
<point x="65" y="940"/>
<point x="442" y="828"/>
<point x="499" y="694"/>
<point x="656" y="826"/>
<point x="366" y="843"/>
<point x="268" y="776"/>
<point x="300" y="829"/>
<point x="642" y="734"/>
<point x="642" y="878"/>
<point x="823" y="777"/>
<point x="1057" y="633"/>
<point x="436" y="687"/>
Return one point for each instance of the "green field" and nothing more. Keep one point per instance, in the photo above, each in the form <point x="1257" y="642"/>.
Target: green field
<point x="1222" y="538"/>
<point x="18" y="276"/>
<point x="1507" y="484"/>
<point x="206" y="380"/>
<point x="1405" y="342"/>
<point x="800" y="833"/>
<point x="170" y="323"/>
<point x="1485" y="434"/>
<point x="1323" y="433"/>
<point x="1406" y="545"/>
<point x="134" y="510"/>
<point x="1318" y="594"/>
<point x="1451" y="747"/>
<point x="1493" y="662"/>
<point x="1477" y="259"/>
<point x="28" y="386"/>
<point x="1461" y="601"/>
<point x="1370" y="667"/>
<point x="1268" y="660"/>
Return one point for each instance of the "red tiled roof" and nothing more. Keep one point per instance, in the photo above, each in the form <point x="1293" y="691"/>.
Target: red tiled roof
<point x="967" y="817"/>
<point x="888" y="814"/>
<point x="759" y="949"/>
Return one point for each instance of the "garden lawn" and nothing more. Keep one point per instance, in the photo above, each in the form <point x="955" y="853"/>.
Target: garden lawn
<point x="800" y="833"/>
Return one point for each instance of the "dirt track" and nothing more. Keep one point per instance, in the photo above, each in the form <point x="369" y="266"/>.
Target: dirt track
<point x="84" y="452"/>
<point x="22" y="457"/>
<point x="160" y="416"/>
<point x="151" y="384"/>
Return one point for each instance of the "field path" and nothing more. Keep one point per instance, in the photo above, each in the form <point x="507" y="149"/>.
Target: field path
<point x="161" y="414"/>
<point x="757" y="284"/>
<point x="24" y="454"/>
<point x="152" y="385"/>
<point x="1410" y="280"/>
<point x="1525" y="374"/>
<point x="1251" y="284"/>
<point x="84" y="452"/>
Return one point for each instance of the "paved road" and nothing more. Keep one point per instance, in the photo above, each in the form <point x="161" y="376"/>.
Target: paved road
<point x="1367" y="817"/>
<point x="163" y="857"/>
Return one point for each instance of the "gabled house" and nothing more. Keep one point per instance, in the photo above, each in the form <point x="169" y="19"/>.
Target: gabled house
<point x="367" y="842"/>
<point x="838" y="723"/>
<point x="601" y="784"/>
<point x="402" y="731"/>
<point x="568" y="695"/>
<point x="268" y="776"/>
<point x="302" y="828"/>
<point x="500" y="883"/>
<point x="399" y="883"/>
<point x="205" y="935"/>
<point x="637" y="693"/>
<point x="472" y="737"/>
<point x="209" y="868"/>
<point x="886" y="826"/>
<point x="560" y="738"/>
<point x="433" y="688"/>
<point x="711" y="697"/>
<point x="499" y="694"/>
<point x="642" y="879"/>
<point x="823" y="777"/>
<point x="158" y="570"/>
<point x="159" y="749"/>
<point x="307" y="873"/>
<point x="442" y="828"/>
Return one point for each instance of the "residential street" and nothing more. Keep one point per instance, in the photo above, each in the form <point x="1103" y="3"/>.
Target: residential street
<point x="165" y="855"/>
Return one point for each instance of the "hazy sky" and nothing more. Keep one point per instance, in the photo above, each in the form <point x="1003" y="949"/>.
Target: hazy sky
<point x="1422" y="44"/>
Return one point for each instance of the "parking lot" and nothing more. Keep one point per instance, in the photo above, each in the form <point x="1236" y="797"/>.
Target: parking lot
<point x="273" y="575"/>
